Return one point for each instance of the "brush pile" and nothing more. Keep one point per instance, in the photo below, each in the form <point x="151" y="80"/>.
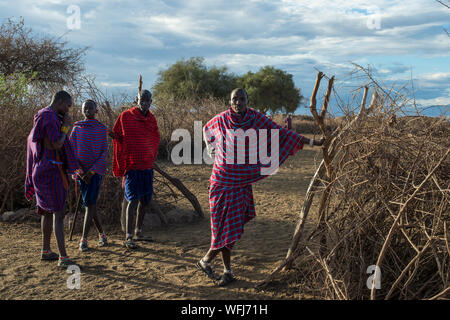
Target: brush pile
<point x="382" y="224"/>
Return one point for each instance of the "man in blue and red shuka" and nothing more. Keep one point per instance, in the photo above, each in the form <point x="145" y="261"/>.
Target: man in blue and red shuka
<point x="89" y="142"/>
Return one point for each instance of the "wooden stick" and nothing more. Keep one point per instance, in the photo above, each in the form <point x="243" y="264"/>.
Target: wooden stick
<point x="446" y="238"/>
<point x="337" y="290"/>
<point x="180" y="186"/>
<point x="305" y="210"/>
<point x="75" y="216"/>
<point x="327" y="99"/>
<point x="363" y="103"/>
<point x="312" y="107"/>
<point x="319" y="119"/>
<point x="271" y="276"/>
<point x="410" y="264"/>
<point x="442" y="293"/>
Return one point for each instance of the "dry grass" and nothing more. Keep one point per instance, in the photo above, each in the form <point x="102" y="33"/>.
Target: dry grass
<point x="14" y="127"/>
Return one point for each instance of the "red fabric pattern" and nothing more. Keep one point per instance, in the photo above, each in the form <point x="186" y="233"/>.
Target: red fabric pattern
<point x="240" y="175"/>
<point x="136" y="141"/>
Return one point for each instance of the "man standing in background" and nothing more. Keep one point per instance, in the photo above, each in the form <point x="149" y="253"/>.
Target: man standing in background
<point x="136" y="142"/>
<point x="288" y="122"/>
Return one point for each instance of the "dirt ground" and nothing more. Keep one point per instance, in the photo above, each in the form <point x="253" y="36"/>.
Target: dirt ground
<point x="165" y="269"/>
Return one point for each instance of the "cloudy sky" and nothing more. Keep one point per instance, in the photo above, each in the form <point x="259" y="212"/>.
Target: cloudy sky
<point x="400" y="40"/>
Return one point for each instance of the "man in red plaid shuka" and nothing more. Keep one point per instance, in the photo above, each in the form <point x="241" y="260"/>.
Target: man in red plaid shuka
<point x="237" y="165"/>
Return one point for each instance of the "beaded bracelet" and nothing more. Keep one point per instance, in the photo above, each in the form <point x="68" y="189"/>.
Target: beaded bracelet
<point x="64" y="129"/>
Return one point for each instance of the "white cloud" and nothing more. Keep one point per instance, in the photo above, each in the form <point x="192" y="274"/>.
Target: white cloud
<point x="439" y="101"/>
<point x="436" y="76"/>
<point x="258" y="60"/>
<point x="129" y="37"/>
<point x="91" y="14"/>
<point x="112" y="84"/>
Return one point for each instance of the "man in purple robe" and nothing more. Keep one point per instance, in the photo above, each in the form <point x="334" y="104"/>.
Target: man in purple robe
<point x="49" y="160"/>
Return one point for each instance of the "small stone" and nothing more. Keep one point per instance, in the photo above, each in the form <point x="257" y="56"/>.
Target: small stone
<point x="12" y="216"/>
<point x="7" y="215"/>
<point x="180" y="216"/>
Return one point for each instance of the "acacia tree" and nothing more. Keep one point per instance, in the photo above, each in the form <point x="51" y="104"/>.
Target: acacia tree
<point x="271" y="89"/>
<point x="48" y="60"/>
<point x="192" y="79"/>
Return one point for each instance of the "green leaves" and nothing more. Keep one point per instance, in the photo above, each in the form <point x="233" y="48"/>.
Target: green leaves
<point x="14" y="88"/>
<point x="269" y="89"/>
<point x="192" y="79"/>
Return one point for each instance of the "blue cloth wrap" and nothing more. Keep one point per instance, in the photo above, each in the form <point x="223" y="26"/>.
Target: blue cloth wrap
<point x="139" y="185"/>
<point x="90" y="191"/>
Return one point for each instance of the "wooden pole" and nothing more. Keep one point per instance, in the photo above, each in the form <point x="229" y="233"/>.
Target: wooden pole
<point x="180" y="186"/>
<point x="75" y="216"/>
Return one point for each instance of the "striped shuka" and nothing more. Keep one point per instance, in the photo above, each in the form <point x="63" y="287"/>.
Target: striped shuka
<point x="43" y="177"/>
<point x="89" y="142"/>
<point x="230" y="191"/>
<point x="136" y="141"/>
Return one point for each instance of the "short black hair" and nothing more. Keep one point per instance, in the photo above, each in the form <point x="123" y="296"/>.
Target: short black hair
<point x="61" y="96"/>
<point x="241" y="90"/>
<point x="144" y="92"/>
<point x="89" y="101"/>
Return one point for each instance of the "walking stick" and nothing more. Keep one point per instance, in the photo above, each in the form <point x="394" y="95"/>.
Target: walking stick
<point x="75" y="216"/>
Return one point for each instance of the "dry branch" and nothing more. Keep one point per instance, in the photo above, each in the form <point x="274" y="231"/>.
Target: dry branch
<point x="180" y="186"/>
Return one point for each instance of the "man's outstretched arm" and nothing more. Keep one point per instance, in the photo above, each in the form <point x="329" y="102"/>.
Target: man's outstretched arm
<point x="312" y="142"/>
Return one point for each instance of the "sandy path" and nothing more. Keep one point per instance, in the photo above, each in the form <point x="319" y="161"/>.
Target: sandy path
<point x="165" y="269"/>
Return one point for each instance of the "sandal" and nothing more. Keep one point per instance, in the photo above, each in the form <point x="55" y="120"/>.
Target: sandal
<point x="226" y="279"/>
<point x="48" y="255"/>
<point x="102" y="240"/>
<point x="207" y="270"/>
<point x="65" y="262"/>
<point x="83" y="245"/>
<point x="129" y="244"/>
